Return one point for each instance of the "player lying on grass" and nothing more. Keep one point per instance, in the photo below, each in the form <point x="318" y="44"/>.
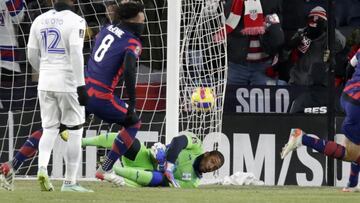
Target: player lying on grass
<point x="184" y="158"/>
<point x="180" y="164"/>
<point x="350" y="101"/>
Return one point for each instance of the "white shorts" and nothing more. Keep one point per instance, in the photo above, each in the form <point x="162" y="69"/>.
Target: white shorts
<point x="60" y="107"/>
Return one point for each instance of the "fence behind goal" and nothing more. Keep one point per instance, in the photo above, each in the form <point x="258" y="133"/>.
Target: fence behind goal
<point x="202" y="63"/>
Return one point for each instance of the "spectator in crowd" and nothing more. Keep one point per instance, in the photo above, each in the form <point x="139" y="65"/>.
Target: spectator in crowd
<point x="11" y="13"/>
<point x="94" y="14"/>
<point x="343" y="71"/>
<point x="309" y="46"/>
<point x="35" y="8"/>
<point x="315" y="99"/>
<point x="294" y="18"/>
<point x="110" y="10"/>
<point x="254" y="38"/>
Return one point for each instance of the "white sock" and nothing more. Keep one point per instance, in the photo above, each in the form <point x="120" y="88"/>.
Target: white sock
<point x="73" y="155"/>
<point x="46" y="144"/>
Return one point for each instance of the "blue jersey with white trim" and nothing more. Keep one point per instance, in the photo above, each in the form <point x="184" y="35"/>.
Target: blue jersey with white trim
<point x="105" y="65"/>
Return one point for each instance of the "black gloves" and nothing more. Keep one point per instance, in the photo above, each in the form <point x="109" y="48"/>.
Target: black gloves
<point x="349" y="72"/>
<point x="131" y="118"/>
<point x="83" y="97"/>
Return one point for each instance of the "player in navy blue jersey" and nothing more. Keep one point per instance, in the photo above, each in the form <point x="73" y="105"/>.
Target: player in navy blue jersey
<point x="114" y="55"/>
<point x="350" y="151"/>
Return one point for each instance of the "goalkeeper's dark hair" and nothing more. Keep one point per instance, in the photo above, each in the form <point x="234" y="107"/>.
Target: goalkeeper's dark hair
<point x="218" y="154"/>
<point x="128" y="10"/>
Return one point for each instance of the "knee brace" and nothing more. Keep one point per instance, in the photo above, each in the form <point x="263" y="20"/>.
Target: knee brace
<point x="66" y="127"/>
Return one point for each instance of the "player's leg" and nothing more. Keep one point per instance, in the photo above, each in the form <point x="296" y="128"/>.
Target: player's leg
<point x="105" y="140"/>
<point x="351" y="128"/>
<point x="138" y="156"/>
<point x="350" y="152"/>
<point x="353" y="178"/>
<point x="50" y="116"/>
<point x="27" y="150"/>
<point x="121" y="144"/>
<point x="142" y="177"/>
<point x="73" y="117"/>
<point x="139" y="167"/>
<point x="114" y="111"/>
<point x="133" y="156"/>
<point x="298" y="138"/>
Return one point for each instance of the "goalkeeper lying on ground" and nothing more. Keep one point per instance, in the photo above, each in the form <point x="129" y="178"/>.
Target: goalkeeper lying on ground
<point x="180" y="165"/>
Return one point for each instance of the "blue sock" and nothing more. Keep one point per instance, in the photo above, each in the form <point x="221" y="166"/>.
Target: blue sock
<point x="109" y="161"/>
<point x="122" y="143"/>
<point x="354" y="174"/>
<point x="317" y="144"/>
<point x="329" y="148"/>
<point x="28" y="150"/>
<point x="157" y="179"/>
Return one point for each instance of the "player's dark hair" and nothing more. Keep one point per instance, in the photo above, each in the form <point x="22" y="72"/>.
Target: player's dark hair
<point x="128" y="10"/>
<point x="218" y="154"/>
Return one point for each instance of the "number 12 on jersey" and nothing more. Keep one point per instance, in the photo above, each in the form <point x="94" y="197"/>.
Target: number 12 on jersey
<point x="51" y="38"/>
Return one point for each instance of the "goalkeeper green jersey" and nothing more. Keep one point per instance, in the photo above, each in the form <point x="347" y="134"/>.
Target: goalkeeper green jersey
<point x="184" y="172"/>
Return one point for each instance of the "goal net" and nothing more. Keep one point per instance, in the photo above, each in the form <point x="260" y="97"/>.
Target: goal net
<point x="202" y="63"/>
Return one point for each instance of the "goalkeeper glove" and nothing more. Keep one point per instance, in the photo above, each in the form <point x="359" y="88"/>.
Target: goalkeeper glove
<point x="169" y="168"/>
<point x="159" y="154"/>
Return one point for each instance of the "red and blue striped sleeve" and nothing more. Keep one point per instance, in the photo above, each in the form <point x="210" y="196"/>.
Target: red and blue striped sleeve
<point x="135" y="47"/>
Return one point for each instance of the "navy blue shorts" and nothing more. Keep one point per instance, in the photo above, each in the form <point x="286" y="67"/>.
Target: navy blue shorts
<point x="107" y="107"/>
<point x="351" y="124"/>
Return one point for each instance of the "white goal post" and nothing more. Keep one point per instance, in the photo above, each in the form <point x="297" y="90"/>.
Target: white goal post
<point x="172" y="71"/>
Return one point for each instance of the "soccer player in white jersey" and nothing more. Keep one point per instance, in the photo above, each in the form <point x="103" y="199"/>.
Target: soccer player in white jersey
<point x="55" y="50"/>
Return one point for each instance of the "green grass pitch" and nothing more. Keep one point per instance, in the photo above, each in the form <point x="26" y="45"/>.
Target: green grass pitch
<point x="28" y="191"/>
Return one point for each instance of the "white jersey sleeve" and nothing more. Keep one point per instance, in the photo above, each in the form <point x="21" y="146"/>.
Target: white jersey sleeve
<point x="33" y="41"/>
<point x="33" y="48"/>
<point x="76" y="42"/>
<point x="78" y="33"/>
